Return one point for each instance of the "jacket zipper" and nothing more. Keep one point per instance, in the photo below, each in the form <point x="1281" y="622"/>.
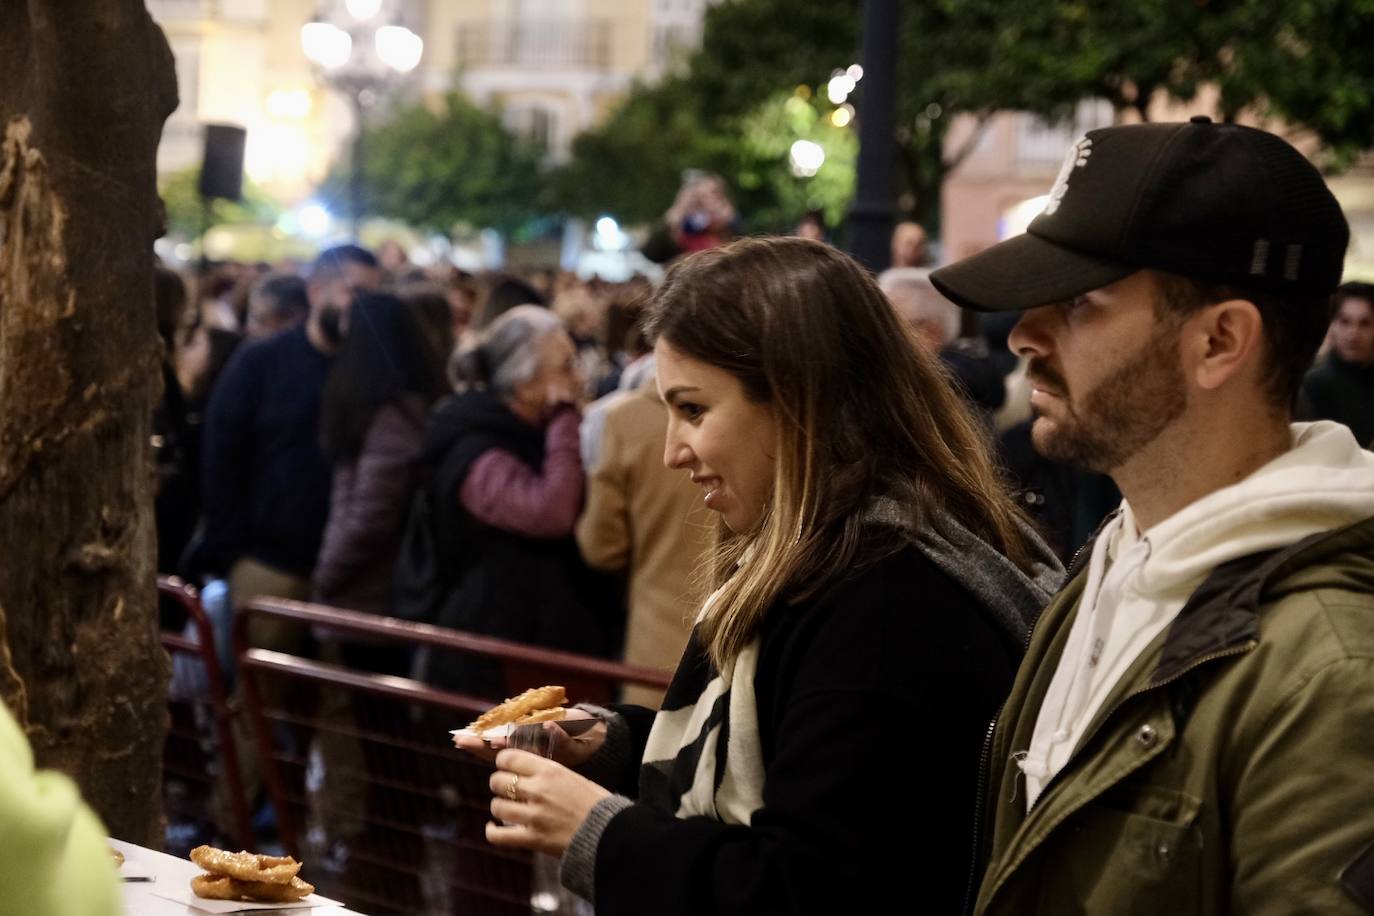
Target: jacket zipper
<point x="1239" y="649"/>
<point x="985" y="758"/>
<point x="981" y="793"/>
<point x="979" y="799"/>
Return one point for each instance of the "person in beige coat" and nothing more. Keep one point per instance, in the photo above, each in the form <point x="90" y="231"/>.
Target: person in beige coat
<point x="646" y="520"/>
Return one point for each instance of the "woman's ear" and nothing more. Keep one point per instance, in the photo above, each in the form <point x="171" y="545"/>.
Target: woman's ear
<point x="1228" y="337"/>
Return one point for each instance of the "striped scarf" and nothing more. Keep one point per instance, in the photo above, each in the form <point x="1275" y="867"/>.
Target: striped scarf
<point x="704" y="757"/>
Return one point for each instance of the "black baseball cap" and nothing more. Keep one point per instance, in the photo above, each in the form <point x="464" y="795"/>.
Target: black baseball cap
<point x="1216" y="202"/>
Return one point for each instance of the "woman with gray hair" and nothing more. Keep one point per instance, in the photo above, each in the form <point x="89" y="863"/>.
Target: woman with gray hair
<point x="508" y="483"/>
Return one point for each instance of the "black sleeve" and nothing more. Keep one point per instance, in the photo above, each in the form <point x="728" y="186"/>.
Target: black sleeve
<point x="871" y="750"/>
<point x="639" y="720"/>
<point x="226" y="460"/>
<point x="660" y="246"/>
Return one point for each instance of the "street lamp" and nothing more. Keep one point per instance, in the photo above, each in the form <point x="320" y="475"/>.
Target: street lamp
<point x="359" y="57"/>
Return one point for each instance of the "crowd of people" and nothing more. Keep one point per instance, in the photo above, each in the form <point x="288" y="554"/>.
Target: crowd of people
<point x="1076" y="599"/>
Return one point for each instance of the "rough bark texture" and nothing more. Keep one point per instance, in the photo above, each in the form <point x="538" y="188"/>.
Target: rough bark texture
<point x="85" y="86"/>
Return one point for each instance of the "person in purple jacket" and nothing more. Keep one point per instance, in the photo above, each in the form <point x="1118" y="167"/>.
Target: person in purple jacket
<point x="375" y="409"/>
<point x="507" y="472"/>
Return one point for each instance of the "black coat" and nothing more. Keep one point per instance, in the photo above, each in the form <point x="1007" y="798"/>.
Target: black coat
<point x="504" y="584"/>
<point x="873" y="703"/>
<point x="1338" y="390"/>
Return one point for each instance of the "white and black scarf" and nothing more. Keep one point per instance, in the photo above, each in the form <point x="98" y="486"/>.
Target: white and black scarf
<point x="704" y="757"/>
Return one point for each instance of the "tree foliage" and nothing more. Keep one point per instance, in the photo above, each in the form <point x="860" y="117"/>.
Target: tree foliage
<point x="185" y="212"/>
<point x="444" y="166"/>
<point x="1309" y="62"/>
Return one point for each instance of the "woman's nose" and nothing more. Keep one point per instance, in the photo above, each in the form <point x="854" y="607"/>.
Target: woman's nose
<point x="676" y="454"/>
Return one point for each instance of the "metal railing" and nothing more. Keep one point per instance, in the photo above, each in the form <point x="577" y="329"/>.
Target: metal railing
<point x="369" y="792"/>
<point x="200" y="761"/>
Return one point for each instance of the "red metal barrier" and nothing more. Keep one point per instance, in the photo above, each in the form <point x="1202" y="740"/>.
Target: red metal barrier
<point x="200" y="740"/>
<point x="369" y="792"/>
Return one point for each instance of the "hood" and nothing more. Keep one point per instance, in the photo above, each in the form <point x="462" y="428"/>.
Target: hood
<point x="1324" y="483"/>
<point x="1012" y="597"/>
<point x="473" y="412"/>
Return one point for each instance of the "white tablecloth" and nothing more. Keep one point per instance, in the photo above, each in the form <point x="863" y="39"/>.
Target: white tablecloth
<point x="140" y="899"/>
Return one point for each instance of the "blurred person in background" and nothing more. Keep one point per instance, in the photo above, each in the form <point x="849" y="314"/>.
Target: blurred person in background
<point x="394" y="263"/>
<point x="375" y="409"/>
<point x="462" y="291"/>
<point x="508" y="485"/>
<point x="936" y="321"/>
<point x="811" y="226"/>
<point x="639" y="522"/>
<point x="505" y="293"/>
<point x="430" y="307"/>
<point x="1340" y="386"/>
<point x="276" y="303"/>
<point x="583" y="311"/>
<point x="266" y="479"/>
<point x="701" y="217"/>
<point x="176" y="505"/>
<point x="625" y="342"/>
<point x="385" y="378"/>
<point x="909" y="245"/>
<point x="636" y="366"/>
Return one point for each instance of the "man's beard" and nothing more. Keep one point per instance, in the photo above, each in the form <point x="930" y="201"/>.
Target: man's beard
<point x="1121" y="415"/>
<point x="331" y="324"/>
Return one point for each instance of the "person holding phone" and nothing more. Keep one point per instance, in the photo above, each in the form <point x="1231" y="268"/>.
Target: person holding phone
<point x="701" y="217"/>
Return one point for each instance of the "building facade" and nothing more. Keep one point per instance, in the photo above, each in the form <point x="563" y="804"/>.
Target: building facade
<point x="552" y="68"/>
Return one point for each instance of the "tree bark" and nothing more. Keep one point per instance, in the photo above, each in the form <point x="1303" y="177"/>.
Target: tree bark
<point x="85" y="86"/>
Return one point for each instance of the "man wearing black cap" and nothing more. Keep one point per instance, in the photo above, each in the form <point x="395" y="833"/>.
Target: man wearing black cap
<point x="1192" y="728"/>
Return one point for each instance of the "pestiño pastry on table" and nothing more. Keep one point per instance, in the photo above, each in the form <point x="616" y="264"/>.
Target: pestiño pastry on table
<point x="247" y="876"/>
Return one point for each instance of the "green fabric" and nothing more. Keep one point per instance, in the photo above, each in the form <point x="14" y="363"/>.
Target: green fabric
<point x="54" y="859"/>
<point x="1239" y="783"/>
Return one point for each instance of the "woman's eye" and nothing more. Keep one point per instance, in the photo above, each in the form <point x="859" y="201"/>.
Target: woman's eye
<point x="690" y="411"/>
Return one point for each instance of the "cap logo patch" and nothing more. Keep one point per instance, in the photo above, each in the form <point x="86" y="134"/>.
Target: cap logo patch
<point x="1291" y="261"/>
<point x="1077" y="158"/>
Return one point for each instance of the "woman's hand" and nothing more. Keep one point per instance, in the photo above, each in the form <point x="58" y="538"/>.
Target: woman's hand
<point x="538" y="803"/>
<point x="567" y="750"/>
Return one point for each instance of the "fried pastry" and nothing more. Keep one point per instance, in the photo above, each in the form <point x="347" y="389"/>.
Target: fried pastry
<point x="532" y="701"/>
<point x="223" y="887"/>
<point x="555" y="714"/>
<point x="246" y="866"/>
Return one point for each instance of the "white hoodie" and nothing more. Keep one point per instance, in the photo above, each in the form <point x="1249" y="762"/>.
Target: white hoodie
<point x="1137" y="583"/>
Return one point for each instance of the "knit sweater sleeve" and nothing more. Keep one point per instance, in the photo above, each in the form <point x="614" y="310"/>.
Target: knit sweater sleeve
<point x="502" y="491"/>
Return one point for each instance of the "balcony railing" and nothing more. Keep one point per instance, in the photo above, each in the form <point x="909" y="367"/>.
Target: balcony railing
<point x="575" y="43"/>
<point x="176" y="10"/>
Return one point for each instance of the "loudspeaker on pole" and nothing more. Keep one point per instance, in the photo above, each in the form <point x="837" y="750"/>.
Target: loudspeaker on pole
<point x="221" y="171"/>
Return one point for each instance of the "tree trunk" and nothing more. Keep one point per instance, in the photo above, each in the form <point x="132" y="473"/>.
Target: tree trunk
<point x="85" y="86"/>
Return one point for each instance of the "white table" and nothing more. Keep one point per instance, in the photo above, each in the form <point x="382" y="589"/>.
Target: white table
<point x="139" y="899"/>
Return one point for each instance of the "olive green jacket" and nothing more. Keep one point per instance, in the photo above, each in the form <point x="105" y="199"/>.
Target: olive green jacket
<point x="1230" y="771"/>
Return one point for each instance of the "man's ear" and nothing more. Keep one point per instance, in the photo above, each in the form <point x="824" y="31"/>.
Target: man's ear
<point x="1225" y="340"/>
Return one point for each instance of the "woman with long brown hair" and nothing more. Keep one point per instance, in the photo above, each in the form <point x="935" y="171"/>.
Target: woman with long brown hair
<point x="874" y="586"/>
